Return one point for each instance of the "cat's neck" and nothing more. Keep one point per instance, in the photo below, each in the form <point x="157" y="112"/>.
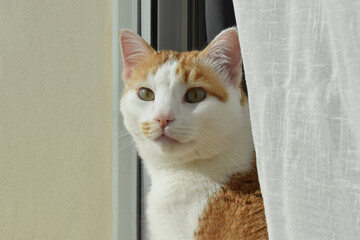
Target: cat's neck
<point x="180" y="189"/>
<point x="217" y="168"/>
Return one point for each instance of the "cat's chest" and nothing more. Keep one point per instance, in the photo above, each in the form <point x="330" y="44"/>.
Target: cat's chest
<point x="174" y="211"/>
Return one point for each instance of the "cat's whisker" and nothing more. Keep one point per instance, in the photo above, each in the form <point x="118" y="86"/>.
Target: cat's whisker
<point x="208" y="141"/>
<point x="127" y="144"/>
<point x="218" y="139"/>
<point x="126" y="141"/>
<point x="124" y="134"/>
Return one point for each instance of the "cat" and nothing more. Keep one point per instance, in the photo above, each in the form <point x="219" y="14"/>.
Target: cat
<point x="189" y="117"/>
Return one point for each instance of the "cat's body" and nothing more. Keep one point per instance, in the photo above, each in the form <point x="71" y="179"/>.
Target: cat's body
<point x="191" y="125"/>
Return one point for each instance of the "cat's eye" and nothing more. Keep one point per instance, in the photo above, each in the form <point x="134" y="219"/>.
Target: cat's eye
<point x="194" y="95"/>
<point x="146" y="94"/>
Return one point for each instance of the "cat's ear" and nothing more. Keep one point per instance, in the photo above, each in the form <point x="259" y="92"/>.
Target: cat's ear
<point x="224" y="54"/>
<point x="134" y="50"/>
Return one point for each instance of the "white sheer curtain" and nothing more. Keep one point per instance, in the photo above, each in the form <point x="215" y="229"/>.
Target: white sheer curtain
<point x="302" y="64"/>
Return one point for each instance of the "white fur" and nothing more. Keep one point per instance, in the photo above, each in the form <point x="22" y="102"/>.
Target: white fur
<point x="216" y="142"/>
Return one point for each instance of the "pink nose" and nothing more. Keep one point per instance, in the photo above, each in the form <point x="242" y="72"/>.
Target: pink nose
<point x="164" y="119"/>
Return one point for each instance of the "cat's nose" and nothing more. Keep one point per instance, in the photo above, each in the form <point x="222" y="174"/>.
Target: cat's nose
<point x="164" y="119"/>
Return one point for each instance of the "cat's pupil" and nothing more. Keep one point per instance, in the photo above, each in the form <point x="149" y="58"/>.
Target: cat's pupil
<point x="146" y="94"/>
<point x="194" y="95"/>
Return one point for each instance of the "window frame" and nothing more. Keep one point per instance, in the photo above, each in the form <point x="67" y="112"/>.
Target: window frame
<point x="125" y="165"/>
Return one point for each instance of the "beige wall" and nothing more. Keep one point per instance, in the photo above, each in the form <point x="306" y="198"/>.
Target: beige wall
<point x="55" y="119"/>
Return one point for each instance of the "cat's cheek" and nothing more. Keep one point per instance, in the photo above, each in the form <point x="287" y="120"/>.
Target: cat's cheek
<point x="130" y="124"/>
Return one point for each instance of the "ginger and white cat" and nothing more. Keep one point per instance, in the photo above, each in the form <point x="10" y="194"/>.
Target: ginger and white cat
<point x="189" y="118"/>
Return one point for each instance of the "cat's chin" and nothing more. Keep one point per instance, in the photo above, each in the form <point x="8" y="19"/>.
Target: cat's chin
<point x="166" y="140"/>
<point x="170" y="145"/>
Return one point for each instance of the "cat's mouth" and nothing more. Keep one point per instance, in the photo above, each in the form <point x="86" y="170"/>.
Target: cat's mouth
<point x="165" y="139"/>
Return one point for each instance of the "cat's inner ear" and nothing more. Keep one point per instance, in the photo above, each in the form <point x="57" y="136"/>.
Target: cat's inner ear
<point x="224" y="54"/>
<point x="134" y="50"/>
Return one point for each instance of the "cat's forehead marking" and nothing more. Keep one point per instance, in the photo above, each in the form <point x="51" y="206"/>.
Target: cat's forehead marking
<point x="195" y="73"/>
<point x="165" y="76"/>
<point x="149" y="66"/>
<point x="190" y="70"/>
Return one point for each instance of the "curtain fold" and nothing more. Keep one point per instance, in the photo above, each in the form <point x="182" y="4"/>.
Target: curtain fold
<point x="302" y="64"/>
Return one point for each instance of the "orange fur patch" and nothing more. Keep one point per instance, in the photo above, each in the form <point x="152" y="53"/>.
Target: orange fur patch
<point x="195" y="74"/>
<point x="146" y="128"/>
<point x="236" y="212"/>
<point x="192" y="73"/>
<point x="149" y="65"/>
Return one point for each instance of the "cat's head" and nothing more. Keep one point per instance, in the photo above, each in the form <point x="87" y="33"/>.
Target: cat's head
<point x="184" y="106"/>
